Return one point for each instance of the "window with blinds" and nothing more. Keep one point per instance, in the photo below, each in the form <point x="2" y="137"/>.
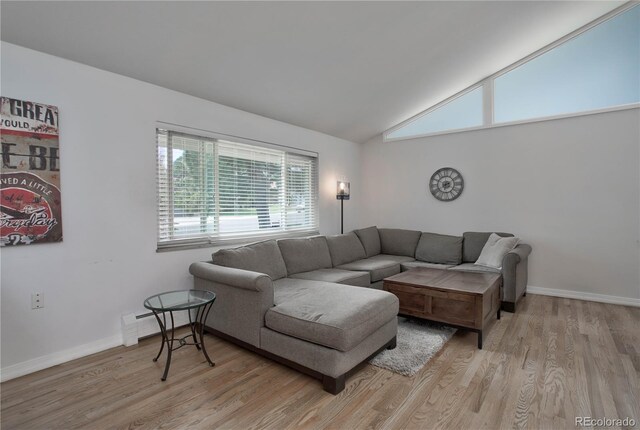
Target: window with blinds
<point x="213" y="190"/>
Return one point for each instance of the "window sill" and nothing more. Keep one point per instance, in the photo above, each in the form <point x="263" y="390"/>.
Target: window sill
<point x="221" y="243"/>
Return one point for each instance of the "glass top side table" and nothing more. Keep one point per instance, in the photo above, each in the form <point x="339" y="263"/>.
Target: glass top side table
<point x="199" y="301"/>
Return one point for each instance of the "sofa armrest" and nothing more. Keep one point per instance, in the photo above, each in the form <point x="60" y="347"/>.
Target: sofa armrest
<point x="517" y="254"/>
<point x="230" y="276"/>
<point x="242" y="299"/>
<point x="515" y="273"/>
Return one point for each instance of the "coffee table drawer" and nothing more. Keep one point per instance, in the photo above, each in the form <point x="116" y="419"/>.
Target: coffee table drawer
<point x="445" y="306"/>
<point x="413" y="301"/>
<point x="460" y="312"/>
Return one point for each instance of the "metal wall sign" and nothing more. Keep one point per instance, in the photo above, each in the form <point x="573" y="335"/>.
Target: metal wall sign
<point x="30" y="210"/>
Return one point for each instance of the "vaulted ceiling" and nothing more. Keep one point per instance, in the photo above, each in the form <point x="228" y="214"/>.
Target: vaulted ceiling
<point x="348" y="69"/>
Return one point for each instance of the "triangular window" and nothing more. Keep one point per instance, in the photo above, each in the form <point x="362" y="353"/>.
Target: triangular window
<point x="594" y="69"/>
<point x="465" y="111"/>
<point x="597" y="69"/>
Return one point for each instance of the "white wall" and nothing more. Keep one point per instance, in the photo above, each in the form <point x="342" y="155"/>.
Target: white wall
<point x="569" y="187"/>
<point x="107" y="263"/>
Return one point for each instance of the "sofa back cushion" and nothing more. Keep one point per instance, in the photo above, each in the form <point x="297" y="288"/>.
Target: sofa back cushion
<point x="345" y="248"/>
<point x="439" y="248"/>
<point x="305" y="254"/>
<point x="370" y="240"/>
<point x="396" y="241"/>
<point x="473" y="243"/>
<point x="262" y="257"/>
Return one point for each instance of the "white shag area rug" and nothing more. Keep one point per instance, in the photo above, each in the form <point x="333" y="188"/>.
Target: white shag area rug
<point x="417" y="342"/>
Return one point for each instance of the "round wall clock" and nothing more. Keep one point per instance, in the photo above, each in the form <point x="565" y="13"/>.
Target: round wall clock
<point x="446" y="184"/>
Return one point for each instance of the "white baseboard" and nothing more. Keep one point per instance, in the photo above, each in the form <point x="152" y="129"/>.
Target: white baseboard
<point x="144" y="327"/>
<point x="49" y="360"/>
<point x="580" y="295"/>
<point x="149" y="326"/>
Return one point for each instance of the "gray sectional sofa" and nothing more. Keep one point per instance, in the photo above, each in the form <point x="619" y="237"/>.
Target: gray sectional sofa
<point x="302" y="302"/>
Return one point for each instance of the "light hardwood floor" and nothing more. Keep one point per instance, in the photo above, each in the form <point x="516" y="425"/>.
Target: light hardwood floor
<point x="553" y="360"/>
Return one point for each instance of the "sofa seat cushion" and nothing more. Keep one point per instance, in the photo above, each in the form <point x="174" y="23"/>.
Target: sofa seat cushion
<point x="413" y="264"/>
<point x="470" y="267"/>
<point x="345" y="248"/>
<point x="339" y="276"/>
<point x="261" y="257"/>
<point x="335" y="316"/>
<point x="377" y="266"/>
<point x="396" y="258"/>
<point x="305" y="254"/>
<point x="289" y="288"/>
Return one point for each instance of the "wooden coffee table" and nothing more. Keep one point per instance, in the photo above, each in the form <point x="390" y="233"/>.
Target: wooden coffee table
<point x="459" y="299"/>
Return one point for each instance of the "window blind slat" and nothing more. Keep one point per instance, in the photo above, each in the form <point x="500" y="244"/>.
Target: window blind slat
<point x="213" y="190"/>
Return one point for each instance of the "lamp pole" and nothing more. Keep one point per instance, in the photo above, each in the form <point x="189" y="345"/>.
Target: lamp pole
<point x="341" y="216"/>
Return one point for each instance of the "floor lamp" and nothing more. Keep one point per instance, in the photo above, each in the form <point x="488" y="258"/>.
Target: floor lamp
<point x="342" y="194"/>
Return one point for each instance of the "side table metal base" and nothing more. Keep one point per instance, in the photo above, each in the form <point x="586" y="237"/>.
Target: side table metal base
<point x="196" y="325"/>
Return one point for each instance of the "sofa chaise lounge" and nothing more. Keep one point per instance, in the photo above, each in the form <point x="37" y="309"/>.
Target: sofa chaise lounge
<point x="301" y="301"/>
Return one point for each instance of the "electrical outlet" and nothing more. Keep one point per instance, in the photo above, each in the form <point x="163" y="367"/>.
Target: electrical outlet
<point x="37" y="300"/>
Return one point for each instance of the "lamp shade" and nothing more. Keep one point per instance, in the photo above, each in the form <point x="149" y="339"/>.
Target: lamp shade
<point x="343" y="190"/>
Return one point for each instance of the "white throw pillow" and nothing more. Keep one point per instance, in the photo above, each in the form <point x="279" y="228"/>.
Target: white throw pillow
<point x="495" y="249"/>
